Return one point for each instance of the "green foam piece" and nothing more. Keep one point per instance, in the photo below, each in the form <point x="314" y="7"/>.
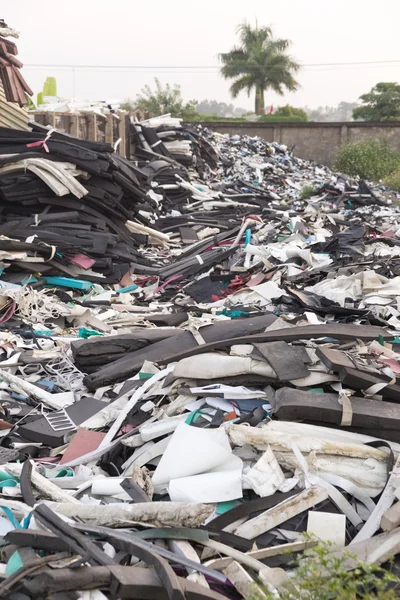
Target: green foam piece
<point x="14" y="563"/>
<point x="223" y="507"/>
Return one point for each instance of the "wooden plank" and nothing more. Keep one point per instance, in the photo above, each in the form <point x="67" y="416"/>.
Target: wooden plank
<point x="110" y="130"/>
<point x="83" y="127"/>
<point x="101" y="129"/>
<point x="39" y="118"/>
<point x="49" y="119"/>
<point x="122" y="135"/>
<point x="92" y="126"/>
<point x="74" y="125"/>
<point x="127" y="122"/>
<point x="282" y="512"/>
<point x="263" y="553"/>
<point x="65" y="123"/>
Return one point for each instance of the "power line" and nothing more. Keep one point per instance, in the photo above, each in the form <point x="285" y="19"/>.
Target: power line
<point x="195" y="67"/>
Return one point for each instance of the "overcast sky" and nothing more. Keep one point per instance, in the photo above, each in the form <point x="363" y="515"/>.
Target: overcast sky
<point x="183" y="33"/>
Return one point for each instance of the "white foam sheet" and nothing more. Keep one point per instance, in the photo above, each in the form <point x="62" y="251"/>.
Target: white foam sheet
<point x="328" y="527"/>
<point x="266" y="476"/>
<point x="221" y="485"/>
<point x="194" y="451"/>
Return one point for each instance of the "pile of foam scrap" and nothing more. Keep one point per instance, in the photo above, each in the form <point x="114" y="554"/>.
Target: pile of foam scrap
<point x="198" y="367"/>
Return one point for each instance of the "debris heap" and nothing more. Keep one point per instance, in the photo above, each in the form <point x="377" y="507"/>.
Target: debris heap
<point x="199" y="360"/>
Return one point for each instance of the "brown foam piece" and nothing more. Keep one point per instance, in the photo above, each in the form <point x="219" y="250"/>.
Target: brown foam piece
<point x="83" y="442"/>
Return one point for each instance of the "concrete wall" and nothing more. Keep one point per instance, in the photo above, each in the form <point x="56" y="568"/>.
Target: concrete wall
<point x="314" y="141"/>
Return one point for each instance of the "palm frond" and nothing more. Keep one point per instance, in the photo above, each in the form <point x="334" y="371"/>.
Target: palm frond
<point x="235" y="68"/>
<point x="251" y="37"/>
<point x="243" y="83"/>
<point x="260" y="62"/>
<point x="236" y="52"/>
<point x="280" y="44"/>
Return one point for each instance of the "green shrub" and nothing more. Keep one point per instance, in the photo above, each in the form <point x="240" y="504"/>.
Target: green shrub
<point x="214" y="118"/>
<point x="393" y="181"/>
<point x="307" y="191"/>
<point x="263" y="119"/>
<point x="291" y="111"/>
<point x="369" y="159"/>
<point x="278" y="118"/>
<point x="320" y="575"/>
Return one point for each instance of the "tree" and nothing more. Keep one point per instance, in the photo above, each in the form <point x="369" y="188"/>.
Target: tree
<point x="219" y="109"/>
<point x="260" y="63"/>
<point x="342" y="112"/>
<point x="322" y="113"/>
<point x="291" y="111"/>
<point x="164" y="100"/>
<point x="382" y="103"/>
<point x="128" y="104"/>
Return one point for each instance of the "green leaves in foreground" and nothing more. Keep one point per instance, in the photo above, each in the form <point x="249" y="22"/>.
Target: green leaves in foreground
<point x="321" y="574"/>
<point x="369" y="159"/>
<point x="307" y="191"/>
<point x="393" y="181"/>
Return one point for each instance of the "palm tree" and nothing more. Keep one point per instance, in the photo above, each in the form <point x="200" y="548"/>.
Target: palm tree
<point x="260" y="62"/>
